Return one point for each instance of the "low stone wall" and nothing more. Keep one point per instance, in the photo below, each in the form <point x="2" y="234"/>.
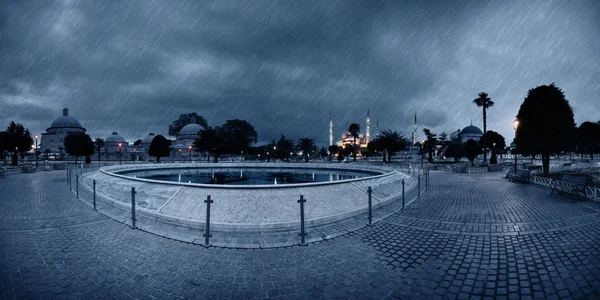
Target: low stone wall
<point x="269" y="207"/>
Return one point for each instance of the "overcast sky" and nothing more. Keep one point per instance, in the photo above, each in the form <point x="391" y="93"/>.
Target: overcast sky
<point x="134" y="66"/>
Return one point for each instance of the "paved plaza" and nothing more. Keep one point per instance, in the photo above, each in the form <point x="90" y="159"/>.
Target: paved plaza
<point x="469" y="236"/>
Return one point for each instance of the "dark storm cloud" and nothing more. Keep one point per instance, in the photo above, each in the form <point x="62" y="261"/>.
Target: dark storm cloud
<point x="133" y="67"/>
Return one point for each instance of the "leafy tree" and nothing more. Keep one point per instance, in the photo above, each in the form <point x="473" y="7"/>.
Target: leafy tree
<point x="137" y="143"/>
<point x="430" y="143"/>
<point x="79" y="144"/>
<point x="323" y="152"/>
<point x="99" y="142"/>
<point x="443" y="140"/>
<point x="484" y="102"/>
<point x="159" y="147"/>
<point x="376" y="146"/>
<point x="354" y="130"/>
<point x="456" y="151"/>
<point x="210" y="141"/>
<point x="238" y="135"/>
<point x="392" y="142"/>
<point x="472" y="149"/>
<point x="17" y="140"/>
<point x="546" y="124"/>
<point x="185" y="119"/>
<point x="495" y="141"/>
<point x="285" y="147"/>
<point x="333" y="150"/>
<point x="588" y="138"/>
<point x="307" y="146"/>
<point x="3" y="144"/>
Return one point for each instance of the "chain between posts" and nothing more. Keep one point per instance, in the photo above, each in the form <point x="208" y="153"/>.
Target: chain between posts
<point x="133" y="192"/>
<point x="77" y="185"/>
<point x="94" y="189"/>
<point x="207" y="234"/>
<point x="302" y="231"/>
<point x="403" y="195"/>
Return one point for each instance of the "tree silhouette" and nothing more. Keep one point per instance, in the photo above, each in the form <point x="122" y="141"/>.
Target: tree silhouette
<point x="588" y="138"/>
<point x="285" y="147"/>
<point x="185" y="119"/>
<point x="79" y="144"/>
<point x="391" y="142"/>
<point x="495" y="141"/>
<point x="430" y="143"/>
<point x="211" y="142"/>
<point x="333" y="150"/>
<point x="159" y="147"/>
<point x="472" y="149"/>
<point x="238" y="135"/>
<point x="484" y="102"/>
<point x="17" y="140"/>
<point x="354" y="130"/>
<point x="456" y="151"/>
<point x="99" y="143"/>
<point x="546" y="124"/>
<point x="307" y="146"/>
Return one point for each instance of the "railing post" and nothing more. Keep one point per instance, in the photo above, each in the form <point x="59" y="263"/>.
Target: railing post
<point x="207" y="234"/>
<point x="370" y="191"/>
<point x="403" y="195"/>
<point x="77" y="185"/>
<point x="302" y="232"/>
<point x="94" y="188"/>
<point x="133" y="208"/>
<point x="419" y="185"/>
<point x="70" y="180"/>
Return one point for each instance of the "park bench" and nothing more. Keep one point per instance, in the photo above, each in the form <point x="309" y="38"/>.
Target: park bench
<point x="28" y="169"/>
<point x="569" y="183"/>
<point x="520" y="175"/>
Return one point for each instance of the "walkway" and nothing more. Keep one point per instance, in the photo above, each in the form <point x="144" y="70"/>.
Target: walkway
<point x="469" y="236"/>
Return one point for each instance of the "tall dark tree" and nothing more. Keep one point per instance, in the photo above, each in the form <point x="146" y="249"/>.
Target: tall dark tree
<point x="333" y="150"/>
<point x="18" y="140"/>
<point x="392" y="142"/>
<point x="159" y="147"/>
<point x="588" y="138"/>
<point x="354" y="130"/>
<point x="99" y="143"/>
<point x="546" y="124"/>
<point x="377" y="146"/>
<point x="3" y="144"/>
<point x="472" y="149"/>
<point x="323" y="153"/>
<point x="238" y="135"/>
<point x="495" y="141"/>
<point x="285" y="147"/>
<point x="484" y="102"/>
<point x="137" y="143"/>
<point x="79" y="144"/>
<point x="430" y="143"/>
<point x="307" y="146"/>
<point x="211" y="142"/>
<point x="185" y="119"/>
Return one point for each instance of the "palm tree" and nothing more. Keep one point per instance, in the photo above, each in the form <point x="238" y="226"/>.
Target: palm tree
<point x="354" y="130"/>
<point x="306" y="145"/>
<point x="392" y="142"/>
<point x="99" y="142"/>
<point x="485" y="102"/>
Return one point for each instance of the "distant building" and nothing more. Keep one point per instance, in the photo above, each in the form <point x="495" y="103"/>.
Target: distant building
<point x="146" y="141"/>
<point x="54" y="137"/>
<point x="347" y="139"/>
<point x="115" y="143"/>
<point x="470" y="133"/>
<point x="187" y="135"/>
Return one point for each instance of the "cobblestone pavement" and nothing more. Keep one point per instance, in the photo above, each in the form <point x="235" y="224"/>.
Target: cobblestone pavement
<point x="470" y="236"/>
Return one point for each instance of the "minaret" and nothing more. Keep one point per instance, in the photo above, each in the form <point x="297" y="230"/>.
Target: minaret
<point x="377" y="128"/>
<point x="368" y="135"/>
<point x="414" y="135"/>
<point x="330" y="130"/>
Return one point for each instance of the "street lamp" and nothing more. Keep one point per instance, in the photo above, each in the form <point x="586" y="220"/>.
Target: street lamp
<point x="190" y="147"/>
<point x="120" y="153"/>
<point x="35" y="151"/>
<point x="515" y="126"/>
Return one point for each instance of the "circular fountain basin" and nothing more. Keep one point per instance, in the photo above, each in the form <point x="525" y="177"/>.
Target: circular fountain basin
<point x="250" y="207"/>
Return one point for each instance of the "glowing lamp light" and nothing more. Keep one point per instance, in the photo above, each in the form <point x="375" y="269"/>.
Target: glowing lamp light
<point x="515" y="124"/>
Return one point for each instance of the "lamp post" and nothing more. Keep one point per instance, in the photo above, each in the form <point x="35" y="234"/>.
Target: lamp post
<point x="515" y="126"/>
<point x="494" y="149"/>
<point x="120" y="153"/>
<point x="35" y="150"/>
<point x="190" y="147"/>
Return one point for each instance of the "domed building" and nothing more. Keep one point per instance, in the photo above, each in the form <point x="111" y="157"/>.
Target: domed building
<point x="115" y="143"/>
<point x="146" y="141"/>
<point x="54" y="137"/>
<point x="188" y="134"/>
<point x="470" y="133"/>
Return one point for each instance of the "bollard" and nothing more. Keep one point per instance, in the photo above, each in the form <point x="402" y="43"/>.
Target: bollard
<point x="77" y="185"/>
<point x="133" y="208"/>
<point x="94" y="188"/>
<point x="302" y="232"/>
<point x="207" y="235"/>
<point x="403" y="196"/>
<point x="419" y="184"/>
<point x="370" y="191"/>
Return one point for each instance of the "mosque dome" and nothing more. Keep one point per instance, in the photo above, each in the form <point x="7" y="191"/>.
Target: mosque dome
<point x="115" y="138"/>
<point x="191" y="129"/>
<point x="471" y="130"/>
<point x="65" y="121"/>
